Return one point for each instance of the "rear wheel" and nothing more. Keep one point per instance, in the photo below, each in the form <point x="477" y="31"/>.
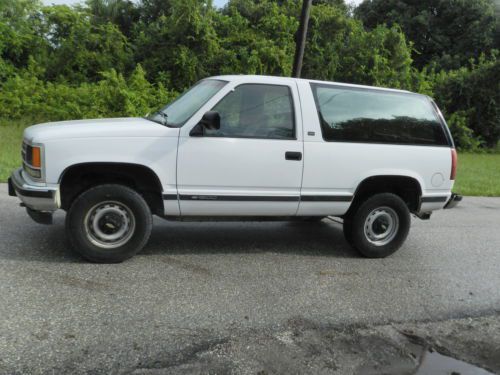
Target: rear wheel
<point x="379" y="226"/>
<point x="109" y="223"/>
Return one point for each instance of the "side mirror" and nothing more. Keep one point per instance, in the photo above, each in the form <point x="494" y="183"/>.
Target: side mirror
<point x="211" y="120"/>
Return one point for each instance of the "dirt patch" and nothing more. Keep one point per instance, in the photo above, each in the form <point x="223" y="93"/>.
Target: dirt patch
<point x="304" y="347"/>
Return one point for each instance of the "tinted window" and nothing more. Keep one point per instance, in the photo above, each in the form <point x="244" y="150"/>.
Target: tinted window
<point x="256" y="111"/>
<point x="362" y="115"/>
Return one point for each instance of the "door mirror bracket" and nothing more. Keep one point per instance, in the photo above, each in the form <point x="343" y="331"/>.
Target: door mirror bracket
<point x="197" y="131"/>
<point x="209" y="121"/>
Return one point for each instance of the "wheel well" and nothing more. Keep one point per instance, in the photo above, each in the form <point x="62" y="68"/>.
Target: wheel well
<point x="79" y="178"/>
<point x="407" y="188"/>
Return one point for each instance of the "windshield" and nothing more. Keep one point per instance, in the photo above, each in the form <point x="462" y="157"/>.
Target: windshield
<point x="181" y="109"/>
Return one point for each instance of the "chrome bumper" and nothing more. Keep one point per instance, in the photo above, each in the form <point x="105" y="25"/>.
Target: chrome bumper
<point x="35" y="198"/>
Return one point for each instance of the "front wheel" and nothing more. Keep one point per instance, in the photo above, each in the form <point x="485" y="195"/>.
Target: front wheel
<point x="379" y="226"/>
<point x="109" y="223"/>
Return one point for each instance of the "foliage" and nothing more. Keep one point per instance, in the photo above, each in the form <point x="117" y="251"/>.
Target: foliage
<point x="462" y="135"/>
<point x="340" y="49"/>
<point x="124" y="57"/>
<point x="26" y="96"/>
<point x="473" y="95"/>
<point x="445" y="32"/>
<point x="19" y="41"/>
<point x="122" y="13"/>
<point x="80" y="49"/>
<point x="257" y="37"/>
<point x="179" y="45"/>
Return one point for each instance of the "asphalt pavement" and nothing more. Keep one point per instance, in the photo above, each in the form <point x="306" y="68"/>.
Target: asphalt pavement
<point x="195" y="285"/>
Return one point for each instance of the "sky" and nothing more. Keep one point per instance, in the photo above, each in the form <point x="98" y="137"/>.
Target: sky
<point x="216" y="2"/>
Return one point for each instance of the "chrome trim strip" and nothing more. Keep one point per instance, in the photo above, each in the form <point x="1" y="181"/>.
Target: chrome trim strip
<point x="259" y="198"/>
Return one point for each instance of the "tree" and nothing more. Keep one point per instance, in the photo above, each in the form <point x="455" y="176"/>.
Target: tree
<point x="19" y="40"/>
<point x="339" y="49"/>
<point x="445" y="32"/>
<point x="176" y="45"/>
<point x="257" y="37"/>
<point x="79" y="50"/>
<point x="122" y="13"/>
<point x="473" y="93"/>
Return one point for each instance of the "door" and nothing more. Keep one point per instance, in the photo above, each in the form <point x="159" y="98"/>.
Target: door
<point x="252" y="165"/>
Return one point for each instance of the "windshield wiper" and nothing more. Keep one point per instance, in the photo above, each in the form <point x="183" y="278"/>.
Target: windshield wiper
<point x="164" y="115"/>
<point x="159" y="117"/>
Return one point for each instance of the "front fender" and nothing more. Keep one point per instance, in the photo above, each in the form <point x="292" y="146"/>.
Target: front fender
<point x="157" y="153"/>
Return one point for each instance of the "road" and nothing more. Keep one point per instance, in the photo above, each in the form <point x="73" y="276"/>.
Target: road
<point x="196" y="285"/>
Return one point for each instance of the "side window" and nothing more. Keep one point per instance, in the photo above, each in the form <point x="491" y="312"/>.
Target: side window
<point x="256" y="111"/>
<point x="362" y="115"/>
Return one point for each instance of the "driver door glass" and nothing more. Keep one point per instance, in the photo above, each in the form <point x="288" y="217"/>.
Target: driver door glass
<point x="256" y="111"/>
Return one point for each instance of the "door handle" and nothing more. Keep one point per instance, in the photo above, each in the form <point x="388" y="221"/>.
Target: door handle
<point x="293" y="155"/>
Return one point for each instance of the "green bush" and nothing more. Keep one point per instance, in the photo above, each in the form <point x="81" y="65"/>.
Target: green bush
<point x="26" y="96"/>
<point x="463" y="136"/>
<point x="476" y="92"/>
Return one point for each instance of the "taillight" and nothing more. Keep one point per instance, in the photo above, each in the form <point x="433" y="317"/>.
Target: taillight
<point x="453" y="164"/>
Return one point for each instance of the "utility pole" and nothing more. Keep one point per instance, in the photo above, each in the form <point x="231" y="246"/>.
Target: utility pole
<point x="300" y="40"/>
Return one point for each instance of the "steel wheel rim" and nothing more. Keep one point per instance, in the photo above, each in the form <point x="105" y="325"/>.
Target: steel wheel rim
<point x="109" y="224"/>
<point x="381" y="226"/>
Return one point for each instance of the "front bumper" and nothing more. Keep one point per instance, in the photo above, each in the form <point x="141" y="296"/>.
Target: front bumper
<point x="35" y="198"/>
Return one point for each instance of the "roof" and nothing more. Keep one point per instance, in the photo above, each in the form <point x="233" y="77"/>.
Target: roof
<point x="276" y="79"/>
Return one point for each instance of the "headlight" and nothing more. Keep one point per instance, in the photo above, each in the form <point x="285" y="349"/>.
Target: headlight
<point x="32" y="160"/>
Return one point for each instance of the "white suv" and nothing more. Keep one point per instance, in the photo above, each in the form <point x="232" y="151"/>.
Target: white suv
<point x="244" y="147"/>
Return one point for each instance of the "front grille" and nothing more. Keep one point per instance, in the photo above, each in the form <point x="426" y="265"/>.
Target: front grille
<point x="27" y="153"/>
<point x="23" y="151"/>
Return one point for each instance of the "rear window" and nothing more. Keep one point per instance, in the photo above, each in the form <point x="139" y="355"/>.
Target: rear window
<point x="375" y="116"/>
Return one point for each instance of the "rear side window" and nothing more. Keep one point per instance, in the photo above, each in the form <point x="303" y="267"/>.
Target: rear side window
<point x="375" y="116"/>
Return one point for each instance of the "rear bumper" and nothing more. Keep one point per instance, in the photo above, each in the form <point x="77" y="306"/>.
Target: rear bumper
<point x="36" y="198"/>
<point x="430" y="203"/>
<point x="454" y="200"/>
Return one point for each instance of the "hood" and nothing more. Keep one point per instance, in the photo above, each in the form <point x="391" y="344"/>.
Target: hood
<point x="98" y="128"/>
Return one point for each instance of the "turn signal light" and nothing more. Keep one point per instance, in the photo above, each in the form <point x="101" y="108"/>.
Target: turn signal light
<point x="36" y="157"/>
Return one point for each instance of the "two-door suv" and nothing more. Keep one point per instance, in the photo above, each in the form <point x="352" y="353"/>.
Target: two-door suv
<point x="246" y="148"/>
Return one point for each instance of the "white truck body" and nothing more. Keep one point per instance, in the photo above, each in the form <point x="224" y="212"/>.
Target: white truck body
<point x="300" y="175"/>
<point x="210" y="167"/>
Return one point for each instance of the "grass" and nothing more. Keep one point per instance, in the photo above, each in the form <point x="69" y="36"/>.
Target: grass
<point x="478" y="174"/>
<point x="11" y="135"/>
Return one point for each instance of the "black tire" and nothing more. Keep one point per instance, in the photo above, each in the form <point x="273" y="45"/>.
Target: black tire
<point x="108" y="208"/>
<point x="379" y="226"/>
